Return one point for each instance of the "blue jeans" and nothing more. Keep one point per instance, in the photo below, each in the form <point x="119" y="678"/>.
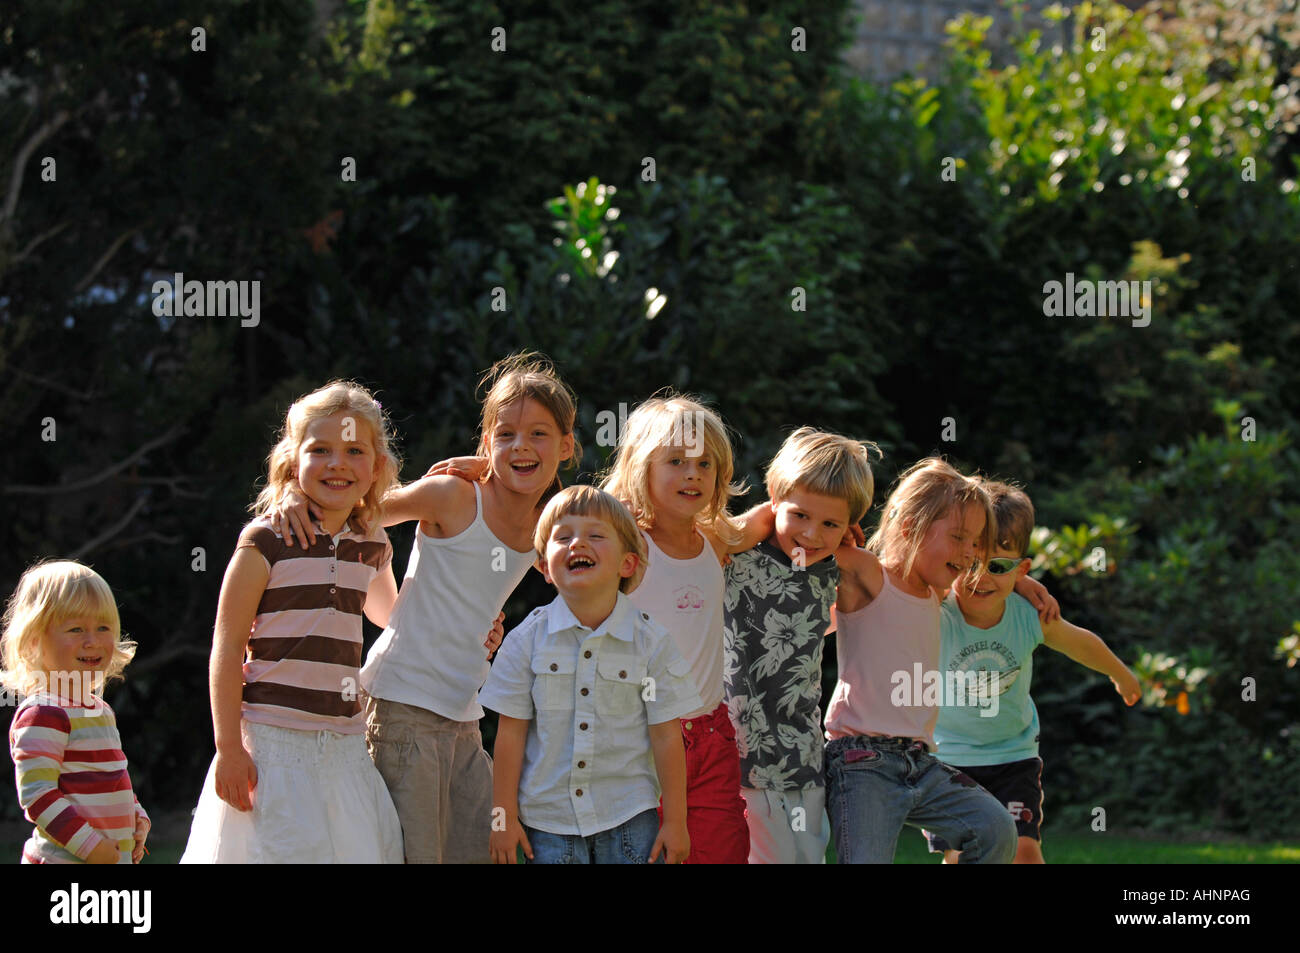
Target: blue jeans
<point x="874" y="786"/>
<point x="629" y="843"/>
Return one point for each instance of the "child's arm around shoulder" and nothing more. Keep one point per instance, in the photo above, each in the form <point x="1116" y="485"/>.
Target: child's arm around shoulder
<point x="1088" y="649"/>
<point x="440" y="503"/>
<point x="426" y="500"/>
<point x="861" y="577"/>
<point x="756" y="524"/>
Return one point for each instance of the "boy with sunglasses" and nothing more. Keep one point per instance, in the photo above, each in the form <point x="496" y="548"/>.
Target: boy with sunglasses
<point x="986" y="627"/>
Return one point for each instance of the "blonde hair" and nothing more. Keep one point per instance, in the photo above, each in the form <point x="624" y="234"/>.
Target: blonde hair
<point x="596" y="503"/>
<point x="48" y="594"/>
<point x="1014" y="516"/>
<point x="335" y="397"/>
<point x="926" y="493"/>
<point x="524" y="376"/>
<point x="824" y="463"/>
<point x="673" y="420"/>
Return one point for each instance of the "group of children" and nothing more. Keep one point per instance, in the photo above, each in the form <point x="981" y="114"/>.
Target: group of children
<point x="666" y="706"/>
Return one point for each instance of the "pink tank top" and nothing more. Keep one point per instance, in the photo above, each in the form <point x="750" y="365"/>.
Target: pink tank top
<point x="885" y="651"/>
<point x="685" y="597"/>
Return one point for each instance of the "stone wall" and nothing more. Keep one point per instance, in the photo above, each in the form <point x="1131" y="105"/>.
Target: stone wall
<point x="906" y="36"/>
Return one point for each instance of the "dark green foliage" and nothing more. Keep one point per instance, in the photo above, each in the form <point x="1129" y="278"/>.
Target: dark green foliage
<point x="778" y="181"/>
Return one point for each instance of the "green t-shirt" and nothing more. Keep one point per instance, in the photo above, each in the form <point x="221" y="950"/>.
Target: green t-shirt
<point x="965" y="733"/>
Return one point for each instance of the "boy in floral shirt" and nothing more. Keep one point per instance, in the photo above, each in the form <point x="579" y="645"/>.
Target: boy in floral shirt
<point x="777" y="610"/>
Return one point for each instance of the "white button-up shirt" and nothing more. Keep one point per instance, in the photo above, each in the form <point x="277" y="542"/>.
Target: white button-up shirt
<point x="590" y="697"/>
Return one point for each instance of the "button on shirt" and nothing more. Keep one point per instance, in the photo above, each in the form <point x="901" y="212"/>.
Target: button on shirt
<point x="590" y="697"/>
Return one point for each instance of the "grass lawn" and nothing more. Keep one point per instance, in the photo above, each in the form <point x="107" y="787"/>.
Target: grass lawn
<point x="1060" y="846"/>
<point x="1114" y="847"/>
<point x="1107" y="848"/>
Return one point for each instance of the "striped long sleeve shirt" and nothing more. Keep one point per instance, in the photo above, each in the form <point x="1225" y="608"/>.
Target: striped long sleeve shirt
<point x="72" y="780"/>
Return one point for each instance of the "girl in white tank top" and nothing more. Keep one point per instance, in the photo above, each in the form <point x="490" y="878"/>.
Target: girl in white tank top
<point x="474" y="544"/>
<point x="673" y="469"/>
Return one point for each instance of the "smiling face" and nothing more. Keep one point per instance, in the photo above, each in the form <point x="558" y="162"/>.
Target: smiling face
<point x="986" y="592"/>
<point x="681" y="485"/>
<point x="585" y="559"/>
<point x="809" y="522"/>
<point x="74" y="647"/>
<point x="336" y="462"/>
<point x="527" y="447"/>
<point x="949" y="547"/>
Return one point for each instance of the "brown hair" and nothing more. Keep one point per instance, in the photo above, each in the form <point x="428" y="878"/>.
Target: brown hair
<point x="524" y="376"/>
<point x="925" y="493"/>
<point x="1014" y="516"/>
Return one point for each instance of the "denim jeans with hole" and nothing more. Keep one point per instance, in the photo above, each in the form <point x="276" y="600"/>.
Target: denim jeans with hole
<point x="875" y="786"/>
<point x="629" y="843"/>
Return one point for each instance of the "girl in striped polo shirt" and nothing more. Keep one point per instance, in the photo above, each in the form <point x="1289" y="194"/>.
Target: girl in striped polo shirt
<point x="292" y="781"/>
<point x="62" y="640"/>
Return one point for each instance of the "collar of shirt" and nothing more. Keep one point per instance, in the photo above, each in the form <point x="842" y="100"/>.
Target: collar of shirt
<point x="618" y="624"/>
<point x="767" y="547"/>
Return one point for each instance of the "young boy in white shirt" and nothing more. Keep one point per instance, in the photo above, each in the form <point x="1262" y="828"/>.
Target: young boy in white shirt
<point x="589" y="690"/>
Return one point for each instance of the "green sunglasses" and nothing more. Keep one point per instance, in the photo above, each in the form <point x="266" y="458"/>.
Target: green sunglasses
<point x="1001" y="565"/>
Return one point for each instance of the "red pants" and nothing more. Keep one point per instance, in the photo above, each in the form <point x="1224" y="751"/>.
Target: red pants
<point x="715" y="811"/>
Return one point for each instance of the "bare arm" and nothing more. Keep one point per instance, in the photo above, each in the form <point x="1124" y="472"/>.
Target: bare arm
<point x="507" y="765"/>
<point x="420" y="500"/>
<point x="670" y="763"/>
<point x="756" y="524"/>
<point x="381" y="596"/>
<point x="241" y="590"/>
<point x="1088" y="649"/>
<point x="861" y="577"/>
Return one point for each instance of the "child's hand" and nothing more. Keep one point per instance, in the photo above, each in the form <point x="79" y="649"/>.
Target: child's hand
<point x="1129" y="688"/>
<point x="856" y="536"/>
<point x="502" y="844"/>
<point x="236" y="777"/>
<point x="495" y="637"/>
<point x="105" y="852"/>
<point x="142" y="826"/>
<point x="466" y="468"/>
<point x="291" y="516"/>
<point x="675" y="843"/>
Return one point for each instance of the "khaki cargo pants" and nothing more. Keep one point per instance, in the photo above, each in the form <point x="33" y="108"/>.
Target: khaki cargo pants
<point x="439" y="777"/>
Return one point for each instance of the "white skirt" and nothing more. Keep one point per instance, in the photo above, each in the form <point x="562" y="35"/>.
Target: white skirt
<point x="318" y="800"/>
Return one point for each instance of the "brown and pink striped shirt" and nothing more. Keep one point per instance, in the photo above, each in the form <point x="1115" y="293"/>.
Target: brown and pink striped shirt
<point x="302" y="667"/>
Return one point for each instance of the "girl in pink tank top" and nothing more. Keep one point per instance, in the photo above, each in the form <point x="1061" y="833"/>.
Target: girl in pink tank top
<point x="880" y="774"/>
